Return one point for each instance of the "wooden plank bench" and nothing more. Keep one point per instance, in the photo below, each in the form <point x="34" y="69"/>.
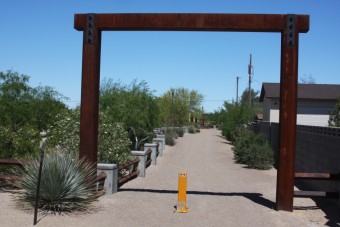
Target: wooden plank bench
<point x="316" y="194"/>
<point x="317" y="176"/>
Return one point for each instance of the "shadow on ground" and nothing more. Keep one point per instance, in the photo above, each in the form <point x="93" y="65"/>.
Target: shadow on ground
<point x="255" y="197"/>
<point x="329" y="207"/>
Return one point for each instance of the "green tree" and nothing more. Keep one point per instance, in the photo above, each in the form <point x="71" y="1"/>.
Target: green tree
<point x="334" y="115"/>
<point x="46" y="104"/>
<point x="24" y="113"/>
<point x="256" y="105"/>
<point x="233" y="115"/>
<point x="177" y="104"/>
<point x="15" y="99"/>
<point x="133" y="105"/>
<point x="307" y="79"/>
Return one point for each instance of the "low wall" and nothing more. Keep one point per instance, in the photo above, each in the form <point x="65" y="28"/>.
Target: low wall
<point x="317" y="150"/>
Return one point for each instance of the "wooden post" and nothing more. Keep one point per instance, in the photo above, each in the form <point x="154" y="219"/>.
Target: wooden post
<point x="288" y="25"/>
<point x="288" y="107"/>
<point x="90" y="90"/>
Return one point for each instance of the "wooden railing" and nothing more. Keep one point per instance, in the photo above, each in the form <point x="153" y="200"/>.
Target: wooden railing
<point x="11" y="162"/>
<point x="100" y="180"/>
<point x="158" y="148"/>
<point x="129" y="171"/>
<point x="148" y="158"/>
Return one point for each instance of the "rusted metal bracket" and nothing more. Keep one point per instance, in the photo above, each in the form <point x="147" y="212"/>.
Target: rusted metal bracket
<point x="291" y="25"/>
<point x="90" y="28"/>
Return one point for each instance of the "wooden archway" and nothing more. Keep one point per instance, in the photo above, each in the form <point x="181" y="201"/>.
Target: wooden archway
<point x="289" y="26"/>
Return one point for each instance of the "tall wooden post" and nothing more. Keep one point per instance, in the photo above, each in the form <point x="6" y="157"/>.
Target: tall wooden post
<point x="90" y="90"/>
<point x="288" y="106"/>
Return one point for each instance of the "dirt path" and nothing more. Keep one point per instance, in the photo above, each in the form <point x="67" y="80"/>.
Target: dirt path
<point x="220" y="193"/>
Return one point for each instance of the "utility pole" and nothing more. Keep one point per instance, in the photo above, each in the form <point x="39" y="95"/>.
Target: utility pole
<point x="172" y="107"/>
<point x="237" y="78"/>
<point x="250" y="67"/>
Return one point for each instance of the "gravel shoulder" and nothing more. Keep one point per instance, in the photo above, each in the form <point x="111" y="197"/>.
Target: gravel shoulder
<point x="220" y="193"/>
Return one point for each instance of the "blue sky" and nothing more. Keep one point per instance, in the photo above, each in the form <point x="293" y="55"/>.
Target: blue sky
<point x="37" y="38"/>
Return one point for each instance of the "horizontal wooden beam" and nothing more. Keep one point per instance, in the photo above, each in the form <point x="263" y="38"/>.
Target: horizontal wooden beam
<point x="192" y="22"/>
<point x="317" y="176"/>
<point x="13" y="162"/>
<point x="315" y="194"/>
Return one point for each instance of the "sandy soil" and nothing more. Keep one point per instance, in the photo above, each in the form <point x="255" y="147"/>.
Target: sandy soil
<point x="220" y="193"/>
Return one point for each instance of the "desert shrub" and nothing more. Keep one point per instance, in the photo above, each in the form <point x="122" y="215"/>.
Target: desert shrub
<point x="238" y="132"/>
<point x="64" y="133"/>
<point x="66" y="184"/>
<point x="21" y="143"/>
<point x="169" y="139"/>
<point x="233" y="116"/>
<point x="253" y="150"/>
<point x="191" y="130"/>
<point x="170" y="136"/>
<point x="179" y="132"/>
<point x="114" y="144"/>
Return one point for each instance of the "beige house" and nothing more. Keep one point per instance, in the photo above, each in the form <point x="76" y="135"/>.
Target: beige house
<point x="314" y="102"/>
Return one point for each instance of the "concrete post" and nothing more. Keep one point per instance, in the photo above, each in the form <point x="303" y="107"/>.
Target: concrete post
<point x="163" y="141"/>
<point x="111" y="181"/>
<point x="153" y="147"/>
<point x="160" y="142"/>
<point x="142" y="163"/>
<point x="163" y="138"/>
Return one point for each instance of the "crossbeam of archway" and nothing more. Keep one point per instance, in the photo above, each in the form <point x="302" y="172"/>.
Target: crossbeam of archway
<point x="288" y="25"/>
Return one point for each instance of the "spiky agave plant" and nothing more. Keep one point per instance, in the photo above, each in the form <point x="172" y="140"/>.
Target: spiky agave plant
<point x="66" y="184"/>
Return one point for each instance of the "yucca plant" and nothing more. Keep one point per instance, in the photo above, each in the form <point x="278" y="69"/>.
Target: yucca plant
<point x="66" y="184"/>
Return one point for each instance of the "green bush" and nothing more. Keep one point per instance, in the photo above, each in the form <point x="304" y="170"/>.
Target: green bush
<point x="179" y="132"/>
<point x="113" y="147"/>
<point x="170" y="139"/>
<point x="64" y="133"/>
<point x="253" y="150"/>
<point x="22" y="143"/>
<point x="25" y="112"/>
<point x="114" y="144"/>
<point x="134" y="105"/>
<point x="191" y="130"/>
<point x="238" y="133"/>
<point x="66" y="184"/>
<point x="170" y="136"/>
<point x="233" y="116"/>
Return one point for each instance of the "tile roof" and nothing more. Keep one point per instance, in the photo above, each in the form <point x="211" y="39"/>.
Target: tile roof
<point x="305" y="91"/>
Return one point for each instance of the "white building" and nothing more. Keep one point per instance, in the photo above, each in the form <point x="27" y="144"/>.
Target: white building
<point x="314" y="102"/>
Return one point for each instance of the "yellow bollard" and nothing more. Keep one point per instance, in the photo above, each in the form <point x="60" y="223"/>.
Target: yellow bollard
<point x="182" y="193"/>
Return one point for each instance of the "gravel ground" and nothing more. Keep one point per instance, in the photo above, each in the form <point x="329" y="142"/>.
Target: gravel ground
<point x="220" y="193"/>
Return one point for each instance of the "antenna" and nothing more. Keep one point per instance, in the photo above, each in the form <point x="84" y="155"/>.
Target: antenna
<point x="250" y="67"/>
<point x="237" y="78"/>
